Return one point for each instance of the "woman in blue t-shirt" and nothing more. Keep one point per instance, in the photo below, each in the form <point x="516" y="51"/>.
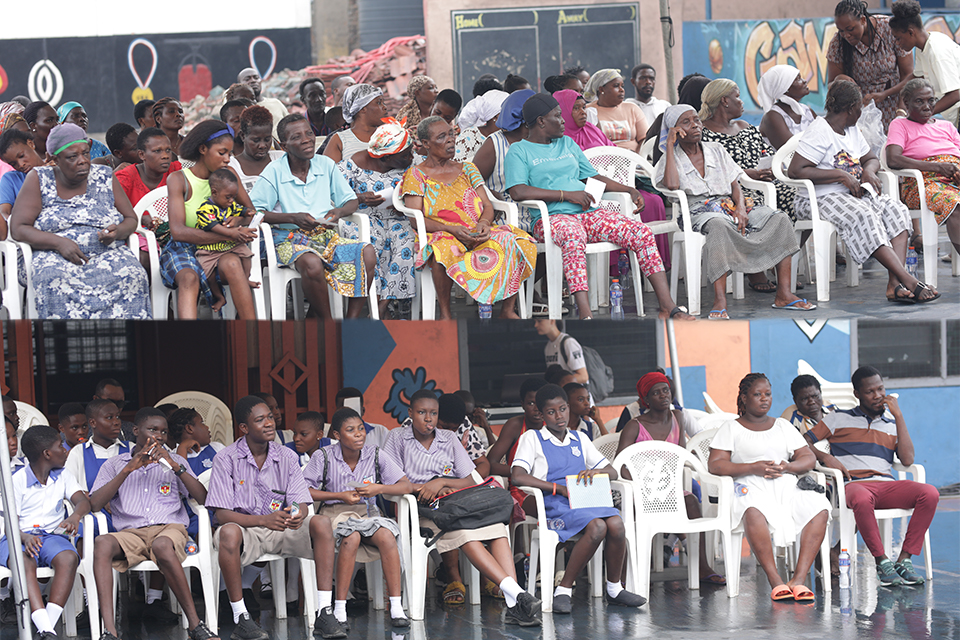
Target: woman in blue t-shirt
<point x="550" y="166"/>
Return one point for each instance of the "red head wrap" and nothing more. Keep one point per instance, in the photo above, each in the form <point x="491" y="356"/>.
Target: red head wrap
<point x="646" y="383"/>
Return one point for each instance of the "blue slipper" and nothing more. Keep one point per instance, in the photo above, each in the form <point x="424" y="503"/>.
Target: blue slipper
<point x="720" y="315"/>
<point x="792" y="306"/>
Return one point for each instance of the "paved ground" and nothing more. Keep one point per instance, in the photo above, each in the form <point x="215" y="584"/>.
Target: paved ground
<point x="930" y="611"/>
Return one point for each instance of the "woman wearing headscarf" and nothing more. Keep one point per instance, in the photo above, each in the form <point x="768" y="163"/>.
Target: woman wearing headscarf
<point x="76" y="217"/>
<point x="422" y="93"/>
<point x="74" y="113"/>
<point x="363" y="110"/>
<point x="477" y="121"/>
<point x="374" y="174"/>
<point x="689" y="90"/>
<point x="780" y="91"/>
<point x="550" y="167"/>
<point x="740" y="236"/>
<point x="489" y="159"/>
<point x="622" y="122"/>
<point x="588" y="136"/>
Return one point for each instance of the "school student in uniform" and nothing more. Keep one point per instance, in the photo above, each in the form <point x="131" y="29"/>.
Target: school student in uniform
<point x="191" y="439"/>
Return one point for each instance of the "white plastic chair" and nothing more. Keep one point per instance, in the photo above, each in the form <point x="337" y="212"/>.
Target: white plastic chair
<point x="928" y="223"/>
<point x="607" y="445"/>
<point x="214" y="412"/>
<point x="660" y="472"/>
<point x="710" y="404"/>
<point x="837" y="393"/>
<point x="10" y="288"/>
<point x="29" y="415"/>
<point x="646" y="149"/>
<point x="824" y="233"/>
<point x="26" y="251"/>
<point x="155" y="204"/>
<point x="699" y="445"/>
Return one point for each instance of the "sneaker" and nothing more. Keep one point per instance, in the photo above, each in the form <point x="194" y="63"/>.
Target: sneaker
<point x="627" y="599"/>
<point x="562" y="604"/>
<point x="160" y="614"/>
<point x="887" y="574"/>
<point x="526" y="613"/>
<point x="400" y="623"/>
<point x="247" y="629"/>
<point x="47" y="635"/>
<point x="200" y="632"/>
<point x="906" y="572"/>
<point x="327" y="625"/>
<point x="106" y="635"/>
<point x="8" y="612"/>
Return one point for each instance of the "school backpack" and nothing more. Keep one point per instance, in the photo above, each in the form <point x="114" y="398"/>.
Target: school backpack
<point x="469" y="508"/>
<point x="601" y="376"/>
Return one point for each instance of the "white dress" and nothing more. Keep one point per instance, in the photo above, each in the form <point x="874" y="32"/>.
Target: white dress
<point x="786" y="508"/>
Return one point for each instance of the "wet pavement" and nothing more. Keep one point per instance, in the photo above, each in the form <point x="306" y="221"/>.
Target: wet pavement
<point x="929" y="611"/>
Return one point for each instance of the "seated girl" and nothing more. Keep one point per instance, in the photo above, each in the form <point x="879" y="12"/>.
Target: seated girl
<point x="834" y="155"/>
<point x="581" y="418"/>
<point x="346" y="477"/>
<point x="740" y="237"/>
<point x="765" y="455"/>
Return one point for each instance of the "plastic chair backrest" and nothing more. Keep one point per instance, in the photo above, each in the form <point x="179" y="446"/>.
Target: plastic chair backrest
<point x="646" y="149"/>
<point x="154" y="203"/>
<point x="29" y="416"/>
<point x="710" y="405"/>
<point x="699" y="445"/>
<point x="607" y="445"/>
<point x="784" y="156"/>
<point x="620" y="165"/>
<point x="656" y="468"/>
<point x="838" y="393"/>
<point x="214" y="412"/>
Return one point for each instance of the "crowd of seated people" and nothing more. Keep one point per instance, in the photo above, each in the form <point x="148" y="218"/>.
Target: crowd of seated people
<point x="252" y="139"/>
<point x="103" y="465"/>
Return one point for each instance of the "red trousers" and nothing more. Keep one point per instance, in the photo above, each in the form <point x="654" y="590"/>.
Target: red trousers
<point x="864" y="497"/>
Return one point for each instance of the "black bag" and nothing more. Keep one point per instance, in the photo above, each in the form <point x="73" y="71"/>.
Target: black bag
<point x="601" y="376"/>
<point x="469" y="508"/>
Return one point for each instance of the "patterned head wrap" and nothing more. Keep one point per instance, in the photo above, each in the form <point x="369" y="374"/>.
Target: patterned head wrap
<point x="63" y="136"/>
<point x="389" y="139"/>
<point x="64" y="110"/>
<point x="597" y="80"/>
<point x="416" y="83"/>
<point x="356" y="98"/>
<point x="10" y="114"/>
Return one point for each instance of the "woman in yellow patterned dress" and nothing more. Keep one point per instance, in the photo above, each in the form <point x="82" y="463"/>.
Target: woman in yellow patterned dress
<point x="489" y="261"/>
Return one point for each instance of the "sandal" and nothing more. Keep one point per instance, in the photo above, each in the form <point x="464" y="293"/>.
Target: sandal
<point x="901" y="299"/>
<point x="781" y="592"/>
<point x="718" y="314"/>
<point x="714" y="578"/>
<point x="454" y="594"/>
<point x="797" y="305"/>
<point x="492" y="590"/>
<point x="764" y="287"/>
<point x="802" y="594"/>
<point x="921" y="287"/>
<point x="678" y="310"/>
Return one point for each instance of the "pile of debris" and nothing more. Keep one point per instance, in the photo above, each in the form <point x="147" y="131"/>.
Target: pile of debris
<point x="389" y="67"/>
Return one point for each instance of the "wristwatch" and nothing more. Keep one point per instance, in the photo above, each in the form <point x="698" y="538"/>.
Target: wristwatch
<point x="179" y="471"/>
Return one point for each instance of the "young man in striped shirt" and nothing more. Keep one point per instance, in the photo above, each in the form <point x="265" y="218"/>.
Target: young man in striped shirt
<point x="862" y="443"/>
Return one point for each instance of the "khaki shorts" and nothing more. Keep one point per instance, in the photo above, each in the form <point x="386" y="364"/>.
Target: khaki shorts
<point x="452" y="540"/>
<point x="137" y="544"/>
<point x="208" y="260"/>
<point x="260" y="540"/>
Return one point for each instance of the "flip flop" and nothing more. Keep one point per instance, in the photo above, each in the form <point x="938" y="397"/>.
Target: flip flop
<point x="923" y="287"/>
<point x="802" y="594"/>
<point x="781" y="592"/>
<point x="764" y="287"/>
<point x="454" y="594"/>
<point x="898" y="299"/>
<point x="718" y="315"/>
<point x="714" y="578"/>
<point x="794" y="306"/>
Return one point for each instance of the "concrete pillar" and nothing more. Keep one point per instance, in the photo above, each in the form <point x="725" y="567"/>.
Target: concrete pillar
<point x="334" y="31"/>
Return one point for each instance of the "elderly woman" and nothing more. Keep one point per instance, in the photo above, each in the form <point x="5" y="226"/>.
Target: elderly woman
<point x="865" y="51"/>
<point x="422" y="93"/>
<point x="374" y="174"/>
<point x="76" y="217"/>
<point x="477" y="121"/>
<point x="364" y="111"/>
<point x="690" y="89"/>
<point x="490" y="158"/>
<point x="834" y="155"/>
<point x="549" y="166"/>
<point x="765" y="455"/>
<point x="740" y="236"/>
<point x="622" y="122"/>
<point x="780" y="91"/>
<point x="932" y="146"/>
<point x="74" y="113"/>
<point x="489" y="261"/>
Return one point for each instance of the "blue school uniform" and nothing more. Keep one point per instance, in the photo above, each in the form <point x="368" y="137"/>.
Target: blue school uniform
<point x="305" y="457"/>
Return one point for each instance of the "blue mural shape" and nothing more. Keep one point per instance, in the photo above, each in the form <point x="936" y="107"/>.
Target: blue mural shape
<point x="407" y="382"/>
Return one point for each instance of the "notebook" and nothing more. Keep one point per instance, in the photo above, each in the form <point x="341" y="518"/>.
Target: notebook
<point x="596" y="494"/>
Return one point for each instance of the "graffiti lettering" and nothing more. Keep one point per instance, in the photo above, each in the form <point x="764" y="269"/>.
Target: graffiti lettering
<point x="798" y="46"/>
<point x="463" y="22"/>
<point x="564" y="18"/>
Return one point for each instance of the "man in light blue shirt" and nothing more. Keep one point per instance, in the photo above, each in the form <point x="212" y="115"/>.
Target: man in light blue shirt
<point x="303" y="195"/>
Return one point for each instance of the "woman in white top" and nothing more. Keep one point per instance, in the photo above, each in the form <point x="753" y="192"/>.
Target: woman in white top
<point x="477" y="122"/>
<point x="937" y="57"/>
<point x="256" y="137"/>
<point x="364" y="111"/>
<point x="834" y="155"/>
<point x="780" y="91"/>
<point x="765" y="455"/>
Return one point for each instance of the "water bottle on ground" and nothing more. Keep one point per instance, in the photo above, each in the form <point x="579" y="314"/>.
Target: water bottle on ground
<point x="616" y="300"/>
<point x="623" y="268"/>
<point x="913" y="260"/>
<point x="845" y="597"/>
<point x="485" y="310"/>
<point x="844" y="569"/>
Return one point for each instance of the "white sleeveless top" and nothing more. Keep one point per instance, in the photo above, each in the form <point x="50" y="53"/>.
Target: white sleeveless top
<point x="806" y="118"/>
<point x="350" y="143"/>
<point x="248" y="181"/>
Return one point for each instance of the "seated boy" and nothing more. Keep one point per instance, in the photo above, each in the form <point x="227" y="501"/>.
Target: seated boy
<point x="39" y="490"/>
<point x="145" y="499"/>
<point x="222" y="214"/>
<point x="261" y="500"/>
<point x="72" y="424"/>
<point x="85" y="460"/>
<point x="544" y="460"/>
<point x="376" y="433"/>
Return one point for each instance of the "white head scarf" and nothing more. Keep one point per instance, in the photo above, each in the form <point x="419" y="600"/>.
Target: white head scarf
<point x="774" y="85"/>
<point x="482" y="108"/>
<point x="597" y="80"/>
<point x="670" y="118"/>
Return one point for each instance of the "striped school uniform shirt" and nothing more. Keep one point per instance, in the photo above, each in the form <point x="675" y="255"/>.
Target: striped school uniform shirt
<point x="445" y="457"/>
<point x="149" y="496"/>
<point x="237" y="484"/>
<point x="77" y="466"/>
<point x="864" y="445"/>
<point x="339" y="474"/>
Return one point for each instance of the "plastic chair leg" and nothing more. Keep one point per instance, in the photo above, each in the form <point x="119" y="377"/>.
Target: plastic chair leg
<point x="278" y="573"/>
<point x="732" y="543"/>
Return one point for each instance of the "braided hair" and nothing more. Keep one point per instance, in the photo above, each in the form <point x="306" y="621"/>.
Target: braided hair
<point x="748" y="381"/>
<point x="177" y="422"/>
<point x="856" y="9"/>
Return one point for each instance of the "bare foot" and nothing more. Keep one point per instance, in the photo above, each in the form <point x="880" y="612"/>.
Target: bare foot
<point x="218" y="301"/>
<point x="677" y="313"/>
<point x="793" y="302"/>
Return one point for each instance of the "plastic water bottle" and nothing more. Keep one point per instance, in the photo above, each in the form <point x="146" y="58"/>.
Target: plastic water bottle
<point x="190" y="547"/>
<point x="844" y="569"/>
<point x="623" y="268"/>
<point x="912" y="261"/>
<point x="485" y="310"/>
<point x="845" y="608"/>
<point x="616" y="300"/>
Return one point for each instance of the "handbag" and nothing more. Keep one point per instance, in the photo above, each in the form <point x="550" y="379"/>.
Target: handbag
<point x="469" y="508"/>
